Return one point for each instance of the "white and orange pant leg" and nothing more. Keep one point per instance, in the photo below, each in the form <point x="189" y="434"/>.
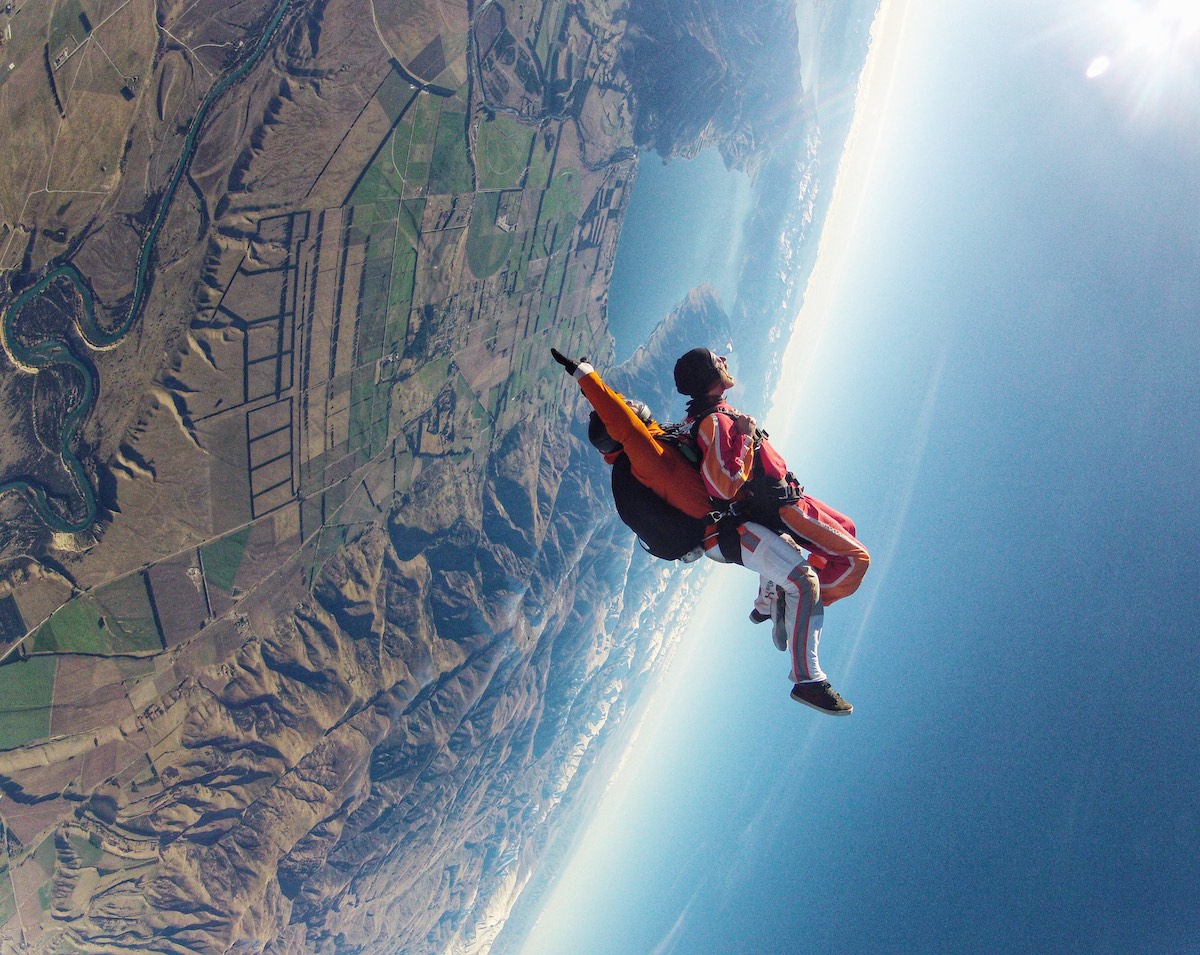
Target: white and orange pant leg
<point x="777" y="560"/>
<point x="841" y="557"/>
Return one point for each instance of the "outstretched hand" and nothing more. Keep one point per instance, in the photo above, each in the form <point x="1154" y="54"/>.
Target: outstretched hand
<point x="566" y="362"/>
<point x="576" y="369"/>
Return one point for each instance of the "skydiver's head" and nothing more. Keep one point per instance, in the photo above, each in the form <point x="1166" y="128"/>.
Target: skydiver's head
<point x="701" y="374"/>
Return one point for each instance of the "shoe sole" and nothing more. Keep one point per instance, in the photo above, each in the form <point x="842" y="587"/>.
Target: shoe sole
<point x="821" y="709"/>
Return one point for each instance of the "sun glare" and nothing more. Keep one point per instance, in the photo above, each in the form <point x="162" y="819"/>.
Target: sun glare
<point x="1148" y="52"/>
<point x="1155" y="30"/>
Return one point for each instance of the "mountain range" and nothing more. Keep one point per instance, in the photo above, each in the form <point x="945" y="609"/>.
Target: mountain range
<point x="315" y="616"/>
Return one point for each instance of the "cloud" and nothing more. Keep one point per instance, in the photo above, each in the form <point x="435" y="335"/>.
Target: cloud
<point x="667" y="945"/>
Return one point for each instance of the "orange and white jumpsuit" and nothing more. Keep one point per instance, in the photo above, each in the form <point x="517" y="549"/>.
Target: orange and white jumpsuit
<point x="663" y="469"/>
<point x="657" y="465"/>
<point x="839" y="558"/>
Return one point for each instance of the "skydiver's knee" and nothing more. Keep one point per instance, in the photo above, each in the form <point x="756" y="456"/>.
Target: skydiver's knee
<point x="804" y="583"/>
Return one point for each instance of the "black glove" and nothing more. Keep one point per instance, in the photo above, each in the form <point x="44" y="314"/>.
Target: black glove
<point x="563" y="360"/>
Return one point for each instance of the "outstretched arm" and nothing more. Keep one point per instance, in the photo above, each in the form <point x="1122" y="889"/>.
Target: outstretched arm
<point x="622" y="424"/>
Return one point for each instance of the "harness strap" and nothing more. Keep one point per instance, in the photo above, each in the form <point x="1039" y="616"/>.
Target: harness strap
<point x="729" y="541"/>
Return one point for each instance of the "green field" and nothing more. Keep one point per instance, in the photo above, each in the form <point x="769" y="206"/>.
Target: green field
<point x="372" y="218"/>
<point x="433" y="375"/>
<point x="551" y="292"/>
<point x="560" y="210"/>
<point x="487" y="245"/>
<point x="380" y="186"/>
<point x="373" y="297"/>
<point x="222" y="558"/>
<point x="417" y="150"/>
<point x="502" y="152"/>
<point x="519" y="260"/>
<point x="26" y="689"/>
<point x="116" y="618"/>
<point x="66" y="29"/>
<point x="541" y="160"/>
<point x="548" y="29"/>
<point x="396" y="96"/>
<point x="403" y="275"/>
<point x="450" y="171"/>
<point x="87" y="849"/>
<point x="45" y="858"/>
<point x="403" y="161"/>
<point x="369" y="407"/>
<point x="125" y="604"/>
<point x="75" y="627"/>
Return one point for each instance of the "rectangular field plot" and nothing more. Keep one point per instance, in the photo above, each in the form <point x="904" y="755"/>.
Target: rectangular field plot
<point x="26" y="690"/>
<point x="271" y="452"/>
<point x="376" y="283"/>
<point x="272" y="475"/>
<point x="401" y="166"/>
<point x="270" y="447"/>
<point x="489" y="240"/>
<point x="273" y="498"/>
<point x="88" y="693"/>
<point x="268" y="419"/>
<point x="129" y="614"/>
<point x="268" y="337"/>
<point x="8" y="902"/>
<point x="115" y="618"/>
<point x="221" y="558"/>
<point x="178" y="590"/>
<point x="450" y="172"/>
<point x="253" y="297"/>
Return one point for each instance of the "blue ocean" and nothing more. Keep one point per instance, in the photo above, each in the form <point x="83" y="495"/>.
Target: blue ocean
<point x="682" y="228"/>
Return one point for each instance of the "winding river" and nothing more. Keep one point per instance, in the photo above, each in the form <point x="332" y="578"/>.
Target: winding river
<point x="49" y="352"/>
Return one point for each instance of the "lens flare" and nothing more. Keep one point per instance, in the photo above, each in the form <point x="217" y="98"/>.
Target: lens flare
<point x="1143" y="54"/>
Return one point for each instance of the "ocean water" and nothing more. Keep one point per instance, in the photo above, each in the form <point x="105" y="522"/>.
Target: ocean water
<point x="683" y="227"/>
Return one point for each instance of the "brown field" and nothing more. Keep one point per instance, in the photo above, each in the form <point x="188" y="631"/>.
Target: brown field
<point x="270" y="447"/>
<point x="89" y="692"/>
<point x="179" y="597"/>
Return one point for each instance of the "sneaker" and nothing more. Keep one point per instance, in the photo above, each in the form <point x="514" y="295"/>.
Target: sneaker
<point x="821" y="696"/>
<point x="756" y="617"/>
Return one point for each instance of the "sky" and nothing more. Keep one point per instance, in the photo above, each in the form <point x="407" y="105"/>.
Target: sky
<point x="994" y="373"/>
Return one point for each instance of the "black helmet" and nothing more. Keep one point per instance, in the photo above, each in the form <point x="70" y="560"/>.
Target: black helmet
<point x="696" y="372"/>
<point x="601" y="440"/>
